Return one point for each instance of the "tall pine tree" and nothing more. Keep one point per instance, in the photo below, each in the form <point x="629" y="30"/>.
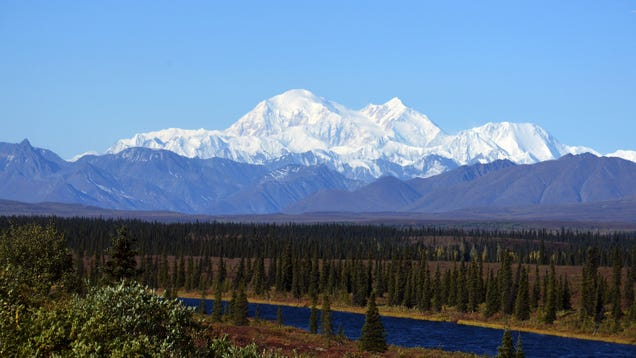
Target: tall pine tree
<point x="507" y="348"/>
<point x="373" y="337"/>
<point x="121" y="263"/>
<point x="327" y="321"/>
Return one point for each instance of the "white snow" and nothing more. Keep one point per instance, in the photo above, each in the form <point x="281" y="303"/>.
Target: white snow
<point x="79" y="156"/>
<point x="298" y="121"/>
<point x="624" y="154"/>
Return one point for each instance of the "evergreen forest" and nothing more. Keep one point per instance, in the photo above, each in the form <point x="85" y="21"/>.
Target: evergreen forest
<point x="523" y="275"/>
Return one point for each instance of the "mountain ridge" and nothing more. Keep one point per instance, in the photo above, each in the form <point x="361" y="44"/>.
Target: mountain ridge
<point x="365" y="144"/>
<point x="161" y="180"/>
<point x="569" y="180"/>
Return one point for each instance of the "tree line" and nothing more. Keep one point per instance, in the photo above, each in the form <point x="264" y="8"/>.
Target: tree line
<point x="426" y="269"/>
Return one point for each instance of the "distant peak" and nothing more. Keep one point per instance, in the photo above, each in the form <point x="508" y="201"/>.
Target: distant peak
<point x="296" y="94"/>
<point x="395" y="102"/>
<point x="25" y="142"/>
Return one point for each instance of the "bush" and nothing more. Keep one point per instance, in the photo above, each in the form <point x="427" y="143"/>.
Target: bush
<point x="129" y="319"/>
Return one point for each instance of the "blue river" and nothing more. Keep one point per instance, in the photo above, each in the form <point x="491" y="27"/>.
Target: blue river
<point x="448" y="336"/>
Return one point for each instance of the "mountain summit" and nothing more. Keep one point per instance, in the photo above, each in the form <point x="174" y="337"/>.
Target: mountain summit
<point x="299" y="127"/>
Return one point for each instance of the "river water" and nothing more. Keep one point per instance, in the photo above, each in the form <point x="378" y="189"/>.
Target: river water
<point x="444" y="335"/>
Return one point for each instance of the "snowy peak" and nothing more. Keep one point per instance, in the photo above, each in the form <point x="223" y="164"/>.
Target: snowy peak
<point x="378" y="140"/>
<point x="291" y="109"/>
<point x="624" y="154"/>
<point x="524" y="142"/>
<point x="402" y="124"/>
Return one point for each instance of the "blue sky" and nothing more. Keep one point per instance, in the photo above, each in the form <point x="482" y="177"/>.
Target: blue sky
<point x="76" y="76"/>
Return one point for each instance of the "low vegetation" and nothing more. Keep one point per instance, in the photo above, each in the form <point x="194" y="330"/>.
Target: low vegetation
<point x="76" y="286"/>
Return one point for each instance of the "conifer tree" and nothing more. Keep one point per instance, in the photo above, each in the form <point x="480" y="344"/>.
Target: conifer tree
<point x="326" y="319"/>
<point x="506" y="283"/>
<point x="217" y="309"/>
<point x="630" y="280"/>
<point x="492" y="295"/>
<point x="279" y="316"/>
<point x="372" y="338"/>
<point x="201" y="308"/>
<point x="506" y="349"/>
<point x="522" y="304"/>
<point x="287" y="269"/>
<point x="180" y="269"/>
<point x="121" y="263"/>
<point x="599" y="301"/>
<point x="437" y="290"/>
<point x="519" y="353"/>
<point x="189" y="270"/>
<point x="629" y="289"/>
<point x="617" y="268"/>
<point x="314" y="277"/>
<point x="452" y="287"/>
<point x="535" y="297"/>
<point x="589" y="283"/>
<point x="221" y="273"/>
<point x="258" y="279"/>
<point x="163" y="271"/>
<point x="313" y="316"/>
<point x="240" y="308"/>
<point x="462" y="289"/>
<point x="567" y="295"/>
<point x="446" y="286"/>
<point x="239" y="277"/>
<point x="473" y="287"/>
<point x="549" y="310"/>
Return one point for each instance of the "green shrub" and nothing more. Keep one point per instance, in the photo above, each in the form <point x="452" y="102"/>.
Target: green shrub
<point x="127" y="320"/>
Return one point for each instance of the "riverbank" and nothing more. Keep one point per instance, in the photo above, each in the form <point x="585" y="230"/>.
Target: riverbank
<point x="559" y="329"/>
<point x="295" y="342"/>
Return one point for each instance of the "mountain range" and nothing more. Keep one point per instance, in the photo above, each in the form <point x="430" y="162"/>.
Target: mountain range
<point x="297" y="153"/>
<point x="379" y="140"/>
<point x="160" y="180"/>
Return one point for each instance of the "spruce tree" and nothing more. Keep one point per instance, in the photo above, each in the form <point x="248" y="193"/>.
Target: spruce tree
<point x="326" y="319"/>
<point x="522" y="304"/>
<point x="519" y="353"/>
<point x="201" y="308"/>
<point x="257" y="313"/>
<point x="462" y="289"/>
<point x="506" y="349"/>
<point x="372" y="338"/>
<point x="567" y="295"/>
<point x="550" y="306"/>
<point x="589" y="283"/>
<point x="437" y="290"/>
<point x="258" y="278"/>
<point x="279" y="316"/>
<point x="629" y="290"/>
<point x="221" y="273"/>
<point x="313" y="316"/>
<point x="474" y="295"/>
<point x="506" y="283"/>
<point x="535" y="298"/>
<point x="217" y="309"/>
<point x="492" y="296"/>
<point x="121" y="263"/>
<point x="181" y="275"/>
<point x="617" y="268"/>
<point x="240" y="308"/>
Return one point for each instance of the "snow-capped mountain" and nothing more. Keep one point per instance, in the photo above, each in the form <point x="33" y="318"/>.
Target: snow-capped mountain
<point x="160" y="180"/>
<point x="388" y="139"/>
<point x="624" y="154"/>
